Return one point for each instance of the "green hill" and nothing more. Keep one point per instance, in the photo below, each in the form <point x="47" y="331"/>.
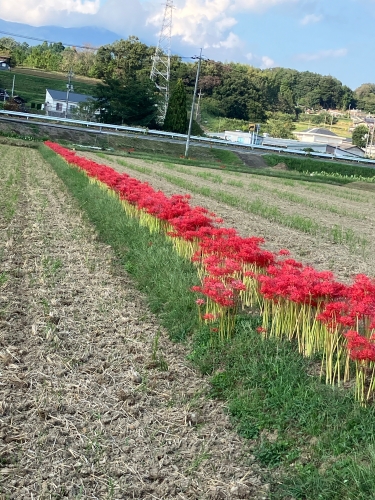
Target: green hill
<point x="31" y="85"/>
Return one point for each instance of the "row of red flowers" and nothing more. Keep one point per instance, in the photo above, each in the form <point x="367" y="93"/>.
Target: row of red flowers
<point x="295" y="300"/>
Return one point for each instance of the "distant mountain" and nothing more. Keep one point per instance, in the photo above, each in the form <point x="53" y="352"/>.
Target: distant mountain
<point x="73" y="36"/>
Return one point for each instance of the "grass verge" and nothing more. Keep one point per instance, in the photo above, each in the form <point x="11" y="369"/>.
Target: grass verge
<point x="318" y="166"/>
<point x="315" y="440"/>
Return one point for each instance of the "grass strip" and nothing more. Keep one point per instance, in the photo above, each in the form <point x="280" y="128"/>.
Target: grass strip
<point x="312" y="165"/>
<point x="317" y="442"/>
<point x="150" y="259"/>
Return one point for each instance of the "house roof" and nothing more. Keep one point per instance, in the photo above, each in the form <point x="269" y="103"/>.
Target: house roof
<point x="322" y="131"/>
<point x="58" y="95"/>
<point x="348" y="146"/>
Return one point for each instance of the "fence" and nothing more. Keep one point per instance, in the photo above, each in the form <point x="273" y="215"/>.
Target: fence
<point x="103" y="127"/>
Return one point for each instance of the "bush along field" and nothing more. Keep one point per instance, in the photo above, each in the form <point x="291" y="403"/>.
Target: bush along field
<point x="290" y="348"/>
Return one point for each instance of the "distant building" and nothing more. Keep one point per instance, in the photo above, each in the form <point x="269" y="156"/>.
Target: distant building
<point x="4" y="63"/>
<point x="319" y="135"/>
<point x="56" y="102"/>
<point x="243" y="137"/>
<point x="346" y="151"/>
<point x="294" y="144"/>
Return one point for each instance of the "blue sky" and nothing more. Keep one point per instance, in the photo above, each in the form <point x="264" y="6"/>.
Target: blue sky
<point x="333" y="37"/>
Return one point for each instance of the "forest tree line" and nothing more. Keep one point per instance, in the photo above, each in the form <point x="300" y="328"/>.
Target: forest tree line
<point x="231" y="90"/>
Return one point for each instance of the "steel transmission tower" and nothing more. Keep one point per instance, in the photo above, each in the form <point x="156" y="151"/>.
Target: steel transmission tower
<point x="161" y="61"/>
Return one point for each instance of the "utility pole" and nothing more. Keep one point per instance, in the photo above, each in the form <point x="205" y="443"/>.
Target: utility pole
<point x="193" y="103"/>
<point x="69" y="88"/>
<point x="161" y="61"/>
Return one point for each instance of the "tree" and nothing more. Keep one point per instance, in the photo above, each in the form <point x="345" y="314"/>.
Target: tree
<point x="366" y="97"/>
<point x="280" y="125"/>
<point x="86" y="110"/>
<point x="122" y="59"/>
<point x="348" y="98"/>
<point x="130" y="101"/>
<point x="359" y="137"/>
<point x="176" y="116"/>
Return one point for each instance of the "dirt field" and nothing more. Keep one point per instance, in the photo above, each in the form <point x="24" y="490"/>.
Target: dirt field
<point x="84" y="412"/>
<point x="345" y="218"/>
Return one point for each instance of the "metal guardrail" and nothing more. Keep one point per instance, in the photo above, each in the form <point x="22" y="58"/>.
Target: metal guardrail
<point x="145" y="131"/>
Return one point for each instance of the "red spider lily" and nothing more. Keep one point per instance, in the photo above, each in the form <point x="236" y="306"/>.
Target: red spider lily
<point x="296" y="300"/>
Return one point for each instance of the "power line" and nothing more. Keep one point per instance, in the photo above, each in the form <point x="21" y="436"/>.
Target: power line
<point x="48" y="41"/>
<point x="73" y="44"/>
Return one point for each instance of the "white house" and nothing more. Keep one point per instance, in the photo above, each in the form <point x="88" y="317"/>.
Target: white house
<point x="57" y="101"/>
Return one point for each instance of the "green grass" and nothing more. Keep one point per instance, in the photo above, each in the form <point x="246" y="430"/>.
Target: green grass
<point x="318" y="166"/>
<point x="299" y="176"/>
<point x="33" y="87"/>
<point x="201" y="157"/>
<point x="323" y="442"/>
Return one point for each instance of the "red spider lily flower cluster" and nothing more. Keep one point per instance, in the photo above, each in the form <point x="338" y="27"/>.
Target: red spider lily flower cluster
<point x="296" y="301"/>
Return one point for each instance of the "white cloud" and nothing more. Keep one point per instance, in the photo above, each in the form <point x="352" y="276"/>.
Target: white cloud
<point x="206" y="22"/>
<point x="231" y="42"/>
<point x="267" y="62"/>
<point x="46" y="11"/>
<point x="310" y="19"/>
<point x="249" y="56"/>
<point x="226" y="23"/>
<point x="322" y="54"/>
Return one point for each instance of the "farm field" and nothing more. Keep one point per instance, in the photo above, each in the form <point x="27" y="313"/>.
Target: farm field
<point x="87" y="409"/>
<point x="326" y="226"/>
<point x="97" y="402"/>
